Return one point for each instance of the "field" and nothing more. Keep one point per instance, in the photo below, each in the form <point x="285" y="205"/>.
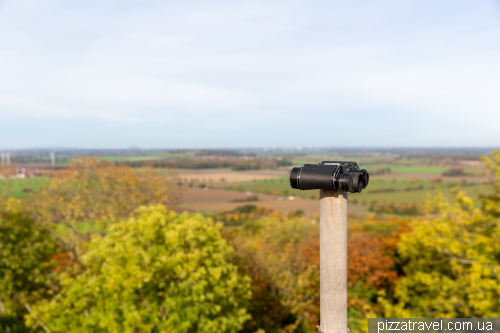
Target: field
<point x="212" y="200"/>
<point x="395" y="178"/>
<point x="379" y="190"/>
<point x="397" y="190"/>
<point x="226" y="175"/>
<point x="146" y="157"/>
<point x="22" y="188"/>
<point x="402" y="185"/>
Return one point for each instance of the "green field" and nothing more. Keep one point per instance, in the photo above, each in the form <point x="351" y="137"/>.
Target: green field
<point x="410" y="169"/>
<point x="381" y="188"/>
<point x="397" y="168"/>
<point x="119" y="159"/>
<point x="422" y="169"/>
<point x="313" y="159"/>
<point x="147" y="157"/>
<point x="387" y="190"/>
<point x="22" y="188"/>
<point x="416" y="169"/>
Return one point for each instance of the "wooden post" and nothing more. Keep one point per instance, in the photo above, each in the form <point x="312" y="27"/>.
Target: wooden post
<point x="333" y="261"/>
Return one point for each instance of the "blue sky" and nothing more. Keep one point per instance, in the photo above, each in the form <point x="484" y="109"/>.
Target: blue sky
<point x="222" y="74"/>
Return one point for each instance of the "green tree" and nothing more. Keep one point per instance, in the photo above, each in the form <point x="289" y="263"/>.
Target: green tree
<point x="156" y="272"/>
<point x="26" y="275"/>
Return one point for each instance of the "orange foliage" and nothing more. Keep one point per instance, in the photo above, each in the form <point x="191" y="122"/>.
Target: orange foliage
<point x="310" y="250"/>
<point x="367" y="262"/>
<point x="62" y="261"/>
<point x="370" y="262"/>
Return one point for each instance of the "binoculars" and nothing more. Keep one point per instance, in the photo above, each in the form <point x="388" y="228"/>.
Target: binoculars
<point x="330" y="175"/>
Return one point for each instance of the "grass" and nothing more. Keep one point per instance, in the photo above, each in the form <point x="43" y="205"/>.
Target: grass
<point x="24" y="187"/>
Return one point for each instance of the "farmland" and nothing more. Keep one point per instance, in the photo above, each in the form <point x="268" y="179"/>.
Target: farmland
<point x="398" y="190"/>
<point x="275" y="192"/>
<point x="396" y="178"/>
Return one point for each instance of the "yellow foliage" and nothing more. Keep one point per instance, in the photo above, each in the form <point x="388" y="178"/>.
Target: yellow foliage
<point x="93" y="190"/>
<point x="272" y="249"/>
<point x="157" y="272"/>
<point x="452" y="264"/>
<point x="97" y="193"/>
<point x="491" y="203"/>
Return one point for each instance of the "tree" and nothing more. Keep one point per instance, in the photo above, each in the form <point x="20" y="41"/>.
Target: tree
<point x="284" y="284"/>
<point x="156" y="272"/>
<point x="491" y="202"/>
<point x="26" y="275"/>
<point x="452" y="256"/>
<point x="282" y="257"/>
<point x="91" y="190"/>
<point x="452" y="264"/>
<point x="97" y="193"/>
<point x="370" y="267"/>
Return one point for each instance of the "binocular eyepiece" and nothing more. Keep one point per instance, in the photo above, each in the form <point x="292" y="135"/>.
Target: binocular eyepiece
<point x="330" y="175"/>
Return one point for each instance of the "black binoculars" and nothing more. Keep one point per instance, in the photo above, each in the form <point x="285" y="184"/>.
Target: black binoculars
<point x="330" y="175"/>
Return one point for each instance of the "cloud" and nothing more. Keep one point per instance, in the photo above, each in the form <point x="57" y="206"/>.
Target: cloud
<point x="227" y="73"/>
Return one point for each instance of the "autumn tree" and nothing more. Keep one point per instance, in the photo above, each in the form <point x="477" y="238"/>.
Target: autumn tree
<point x="97" y="193"/>
<point x="156" y="272"/>
<point x="452" y="258"/>
<point x="26" y="273"/>
<point x="282" y="257"/>
<point x="92" y="189"/>
<point x="284" y="284"/>
<point x="452" y="264"/>
<point x="491" y="202"/>
<point x="370" y="266"/>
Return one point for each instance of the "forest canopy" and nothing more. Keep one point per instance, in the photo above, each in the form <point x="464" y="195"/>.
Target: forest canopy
<point x="100" y="248"/>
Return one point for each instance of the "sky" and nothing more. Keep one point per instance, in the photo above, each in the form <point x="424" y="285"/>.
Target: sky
<point x="235" y="74"/>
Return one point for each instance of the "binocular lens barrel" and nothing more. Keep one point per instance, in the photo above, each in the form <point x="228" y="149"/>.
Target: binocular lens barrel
<point x="312" y="176"/>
